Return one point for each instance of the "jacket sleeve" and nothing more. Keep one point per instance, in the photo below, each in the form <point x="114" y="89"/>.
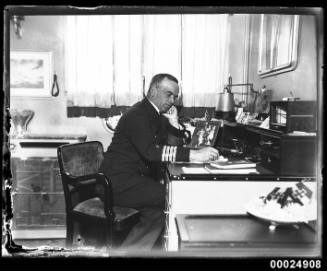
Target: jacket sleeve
<point x="183" y="135"/>
<point x="139" y="132"/>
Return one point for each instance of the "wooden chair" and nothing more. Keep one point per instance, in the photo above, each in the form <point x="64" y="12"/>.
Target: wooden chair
<point x="88" y="193"/>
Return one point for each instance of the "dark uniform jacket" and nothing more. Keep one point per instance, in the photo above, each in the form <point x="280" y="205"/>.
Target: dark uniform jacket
<point x="140" y="145"/>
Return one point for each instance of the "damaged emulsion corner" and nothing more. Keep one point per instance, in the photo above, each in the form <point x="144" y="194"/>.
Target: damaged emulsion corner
<point x="7" y="243"/>
<point x="8" y="247"/>
<point x="7" y="206"/>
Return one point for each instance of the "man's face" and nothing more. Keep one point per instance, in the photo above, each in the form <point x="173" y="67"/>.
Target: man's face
<point x="165" y="95"/>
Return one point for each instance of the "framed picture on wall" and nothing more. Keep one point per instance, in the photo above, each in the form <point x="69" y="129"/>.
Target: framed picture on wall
<point x="30" y="73"/>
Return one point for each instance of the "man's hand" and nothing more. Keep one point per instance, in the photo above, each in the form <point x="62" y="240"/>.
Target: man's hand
<point x="204" y="155"/>
<point x="172" y="116"/>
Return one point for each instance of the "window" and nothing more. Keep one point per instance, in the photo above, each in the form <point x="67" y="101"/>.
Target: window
<point x="113" y="65"/>
<point x="278" y="44"/>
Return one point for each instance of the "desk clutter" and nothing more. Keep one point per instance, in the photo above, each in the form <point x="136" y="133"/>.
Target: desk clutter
<point x="207" y="170"/>
<point x="223" y="166"/>
<point x="290" y="205"/>
<point x="242" y="166"/>
<point x="233" y="164"/>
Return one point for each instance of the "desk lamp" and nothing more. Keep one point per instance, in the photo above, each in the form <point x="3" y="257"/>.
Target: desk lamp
<point x="226" y="104"/>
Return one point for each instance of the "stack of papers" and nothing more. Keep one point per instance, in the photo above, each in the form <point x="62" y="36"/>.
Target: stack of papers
<point x="236" y="164"/>
<point x="213" y="170"/>
<point x="207" y="169"/>
<point x="195" y="170"/>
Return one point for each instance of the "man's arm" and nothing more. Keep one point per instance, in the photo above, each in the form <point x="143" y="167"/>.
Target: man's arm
<point x="178" y="135"/>
<point x="140" y="134"/>
<point x="178" y="131"/>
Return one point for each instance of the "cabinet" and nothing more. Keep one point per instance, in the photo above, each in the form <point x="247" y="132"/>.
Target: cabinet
<point x="37" y="193"/>
<point x="289" y="116"/>
<point x="38" y="197"/>
<point x="282" y="153"/>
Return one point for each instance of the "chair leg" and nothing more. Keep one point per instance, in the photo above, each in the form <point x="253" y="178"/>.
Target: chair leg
<point x="70" y="232"/>
<point x="109" y="240"/>
<point x="109" y="234"/>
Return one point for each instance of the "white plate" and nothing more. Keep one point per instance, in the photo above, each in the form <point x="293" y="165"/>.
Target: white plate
<point x="288" y="215"/>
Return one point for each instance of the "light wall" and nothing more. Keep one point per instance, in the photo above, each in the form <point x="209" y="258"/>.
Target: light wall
<point x="303" y="80"/>
<point x="238" y="48"/>
<point x="46" y="33"/>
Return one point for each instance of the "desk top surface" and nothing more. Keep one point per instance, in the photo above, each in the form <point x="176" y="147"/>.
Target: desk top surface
<point x="176" y="171"/>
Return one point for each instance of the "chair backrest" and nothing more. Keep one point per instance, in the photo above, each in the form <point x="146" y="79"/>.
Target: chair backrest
<point x="81" y="159"/>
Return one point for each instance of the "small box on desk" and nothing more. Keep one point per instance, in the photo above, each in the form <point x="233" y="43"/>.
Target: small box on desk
<point x="289" y="116"/>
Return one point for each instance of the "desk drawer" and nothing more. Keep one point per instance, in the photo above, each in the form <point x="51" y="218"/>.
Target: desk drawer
<point x="229" y="232"/>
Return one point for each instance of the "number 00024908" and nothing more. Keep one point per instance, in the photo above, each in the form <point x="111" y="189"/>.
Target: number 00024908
<point x="295" y="264"/>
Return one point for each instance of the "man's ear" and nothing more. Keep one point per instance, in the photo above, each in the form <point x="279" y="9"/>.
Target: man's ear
<point x="152" y="93"/>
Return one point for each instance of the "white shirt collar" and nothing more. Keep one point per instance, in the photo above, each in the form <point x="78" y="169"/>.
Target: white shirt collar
<point x="155" y="107"/>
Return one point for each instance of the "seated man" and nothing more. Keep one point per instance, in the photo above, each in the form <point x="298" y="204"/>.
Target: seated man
<point x="138" y="149"/>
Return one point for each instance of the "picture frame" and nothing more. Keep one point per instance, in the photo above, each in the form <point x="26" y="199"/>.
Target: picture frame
<point x="205" y="134"/>
<point x="30" y="73"/>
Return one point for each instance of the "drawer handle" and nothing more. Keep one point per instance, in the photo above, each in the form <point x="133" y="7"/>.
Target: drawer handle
<point x="268" y="143"/>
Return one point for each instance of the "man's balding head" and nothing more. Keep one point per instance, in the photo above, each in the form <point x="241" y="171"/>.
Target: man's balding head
<point x="163" y="91"/>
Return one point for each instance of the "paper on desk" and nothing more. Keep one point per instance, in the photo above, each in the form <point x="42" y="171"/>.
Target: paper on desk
<point x="206" y="170"/>
<point x="195" y="170"/>
<point x="212" y="170"/>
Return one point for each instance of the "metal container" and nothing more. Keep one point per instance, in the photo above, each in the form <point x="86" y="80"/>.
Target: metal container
<point x="226" y="102"/>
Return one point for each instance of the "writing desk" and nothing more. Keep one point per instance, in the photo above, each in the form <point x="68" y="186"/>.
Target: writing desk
<point x="219" y="194"/>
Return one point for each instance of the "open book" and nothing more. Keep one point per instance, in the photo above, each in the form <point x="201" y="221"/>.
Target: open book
<point x="233" y="164"/>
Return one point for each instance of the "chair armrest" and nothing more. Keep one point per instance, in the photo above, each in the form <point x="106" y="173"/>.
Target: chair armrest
<point x="76" y="180"/>
<point x="108" y="202"/>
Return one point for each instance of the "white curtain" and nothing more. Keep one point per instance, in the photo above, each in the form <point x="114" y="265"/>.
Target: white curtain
<point x="127" y="53"/>
<point x="162" y="46"/>
<point x="110" y="57"/>
<point x="204" y="54"/>
<point x="103" y="60"/>
<point x="89" y="68"/>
